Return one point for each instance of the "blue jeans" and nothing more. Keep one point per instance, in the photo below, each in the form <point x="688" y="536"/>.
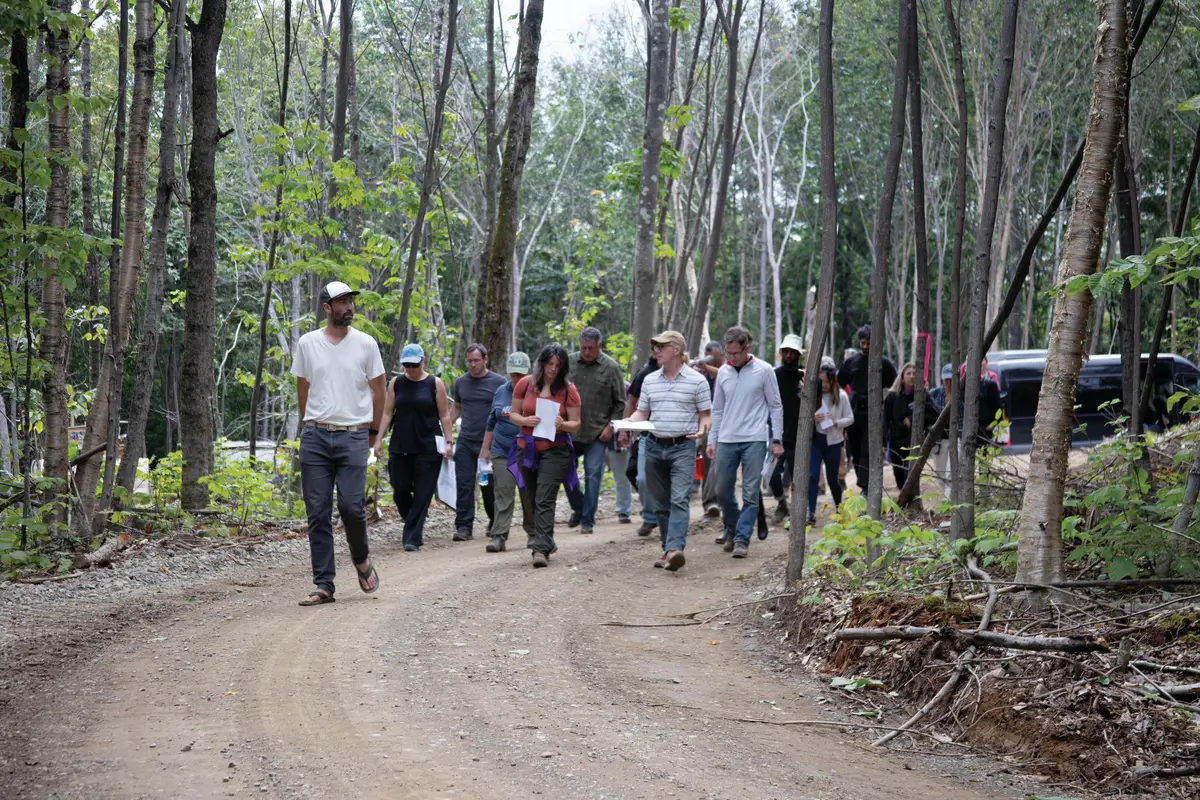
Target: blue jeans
<point x="831" y="455"/>
<point x="329" y="459"/>
<point x="618" y="462"/>
<point x="587" y="499"/>
<point x="669" y="472"/>
<point x="749" y="456"/>
<point x="648" y="515"/>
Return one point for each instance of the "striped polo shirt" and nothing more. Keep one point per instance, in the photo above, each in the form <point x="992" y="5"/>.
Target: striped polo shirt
<point x="675" y="404"/>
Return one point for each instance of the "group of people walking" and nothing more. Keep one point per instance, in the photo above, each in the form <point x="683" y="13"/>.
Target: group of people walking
<point x="523" y="434"/>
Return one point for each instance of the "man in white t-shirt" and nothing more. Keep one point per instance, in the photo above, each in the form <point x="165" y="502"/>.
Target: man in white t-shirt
<point x="340" y="387"/>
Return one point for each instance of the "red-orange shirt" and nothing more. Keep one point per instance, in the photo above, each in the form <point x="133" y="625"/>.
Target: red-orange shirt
<point x="527" y="400"/>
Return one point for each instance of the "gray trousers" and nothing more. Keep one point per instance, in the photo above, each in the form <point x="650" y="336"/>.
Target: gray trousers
<point x="329" y="459"/>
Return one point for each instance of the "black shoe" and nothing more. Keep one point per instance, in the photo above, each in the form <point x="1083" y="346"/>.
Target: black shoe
<point x="781" y="512"/>
<point x="712" y="511"/>
<point x="576" y="518"/>
<point x="725" y="536"/>
<point x="411" y="548"/>
<point x="586" y="529"/>
<point x="496" y="544"/>
<point x="763" y="532"/>
<point x="463" y="535"/>
<point x="729" y="543"/>
<point x="646" y="529"/>
<point x="624" y="519"/>
<point x="812" y="519"/>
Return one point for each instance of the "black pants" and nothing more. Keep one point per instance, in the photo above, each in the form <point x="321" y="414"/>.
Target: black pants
<point x="898" y="456"/>
<point x="414" y="480"/>
<point x="784" y="469"/>
<point x="466" y="464"/>
<point x="856" y="448"/>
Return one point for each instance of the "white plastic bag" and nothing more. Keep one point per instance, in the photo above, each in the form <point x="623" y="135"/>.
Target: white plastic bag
<point x="447" y="486"/>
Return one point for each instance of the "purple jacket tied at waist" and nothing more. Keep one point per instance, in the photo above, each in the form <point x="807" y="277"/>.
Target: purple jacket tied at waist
<point x="529" y="459"/>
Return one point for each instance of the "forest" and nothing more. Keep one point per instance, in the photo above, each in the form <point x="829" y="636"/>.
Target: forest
<point x="178" y="181"/>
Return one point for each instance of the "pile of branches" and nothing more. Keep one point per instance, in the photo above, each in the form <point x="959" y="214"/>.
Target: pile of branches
<point x="1095" y="684"/>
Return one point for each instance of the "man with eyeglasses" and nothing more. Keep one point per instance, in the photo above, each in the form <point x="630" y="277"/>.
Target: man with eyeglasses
<point x="676" y="401"/>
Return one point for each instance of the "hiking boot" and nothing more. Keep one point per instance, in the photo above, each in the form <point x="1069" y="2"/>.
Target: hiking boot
<point x="763" y="532"/>
<point x="741" y="550"/>
<point x="540" y="560"/>
<point x="781" y="512"/>
<point x="586" y="529"/>
<point x="729" y="543"/>
<point x="646" y="529"/>
<point x="726" y="536"/>
<point x="624" y="519"/>
<point x="812" y="519"/>
<point x="496" y="544"/>
<point x="674" y="560"/>
<point x="712" y="511"/>
<point x="576" y="518"/>
<point x="662" y="562"/>
<point x="463" y="535"/>
<point x="411" y="548"/>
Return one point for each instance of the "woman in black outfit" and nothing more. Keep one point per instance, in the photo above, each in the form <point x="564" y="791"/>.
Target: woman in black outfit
<point x="416" y="404"/>
<point x="897" y="417"/>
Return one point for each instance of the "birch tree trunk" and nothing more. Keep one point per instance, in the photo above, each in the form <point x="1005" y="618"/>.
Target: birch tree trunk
<point x="197" y="385"/>
<point x="883" y="254"/>
<point x="1040" y="552"/>
<point x="496" y="278"/>
<point x="147" y="351"/>
<point x="647" y="204"/>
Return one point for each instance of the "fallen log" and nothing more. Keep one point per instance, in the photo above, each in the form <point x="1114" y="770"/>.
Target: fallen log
<point x="104" y="554"/>
<point x="1187" y="691"/>
<point x="1065" y="644"/>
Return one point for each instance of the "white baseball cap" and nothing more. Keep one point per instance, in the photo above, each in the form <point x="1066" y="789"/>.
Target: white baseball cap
<point x="335" y="289"/>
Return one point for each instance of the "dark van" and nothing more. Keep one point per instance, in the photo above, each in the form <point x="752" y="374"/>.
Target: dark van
<point x="1020" y="373"/>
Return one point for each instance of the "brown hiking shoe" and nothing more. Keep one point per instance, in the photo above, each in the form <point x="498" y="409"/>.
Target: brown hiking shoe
<point x="646" y="529"/>
<point x="674" y="559"/>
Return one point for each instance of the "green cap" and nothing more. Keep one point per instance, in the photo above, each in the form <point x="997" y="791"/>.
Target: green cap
<point x="518" y="363"/>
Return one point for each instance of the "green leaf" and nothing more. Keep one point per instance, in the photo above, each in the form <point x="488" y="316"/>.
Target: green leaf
<point x="1121" y="568"/>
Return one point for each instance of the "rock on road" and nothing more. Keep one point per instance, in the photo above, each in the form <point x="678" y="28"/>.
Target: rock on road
<point x="466" y="675"/>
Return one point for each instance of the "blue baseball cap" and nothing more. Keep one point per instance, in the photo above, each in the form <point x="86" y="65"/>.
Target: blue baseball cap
<point x="412" y="354"/>
<point x="947" y="372"/>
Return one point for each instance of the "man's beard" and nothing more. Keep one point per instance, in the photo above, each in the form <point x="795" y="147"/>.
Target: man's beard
<point x="342" y="320"/>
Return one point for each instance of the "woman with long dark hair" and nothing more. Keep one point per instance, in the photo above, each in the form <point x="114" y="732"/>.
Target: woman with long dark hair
<point x="538" y="464"/>
<point x="830" y="421"/>
<point x="897" y="416"/>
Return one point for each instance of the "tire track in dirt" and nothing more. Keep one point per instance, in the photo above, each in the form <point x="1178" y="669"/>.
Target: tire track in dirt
<point x="469" y="675"/>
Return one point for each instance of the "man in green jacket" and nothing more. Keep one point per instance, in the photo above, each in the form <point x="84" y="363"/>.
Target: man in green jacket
<point x="601" y="388"/>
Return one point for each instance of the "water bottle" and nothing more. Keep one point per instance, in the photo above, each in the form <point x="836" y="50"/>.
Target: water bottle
<point x="484" y="478"/>
<point x="485" y="471"/>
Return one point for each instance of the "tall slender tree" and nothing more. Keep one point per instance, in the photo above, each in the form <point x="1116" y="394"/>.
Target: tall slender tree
<point x="924" y="344"/>
<point x="104" y="414"/>
<point x="273" y="249"/>
<point x="1040" y="552"/>
<point x="196" y="383"/>
<point x="164" y="195"/>
<point x="496" y="280"/>
<point x="883" y="259"/>
<point x="829" y="245"/>
<point x="53" y="350"/>
<point x="644" y="274"/>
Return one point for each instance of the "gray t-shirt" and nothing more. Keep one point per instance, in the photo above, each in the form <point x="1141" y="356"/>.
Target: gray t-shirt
<point x="475" y="396"/>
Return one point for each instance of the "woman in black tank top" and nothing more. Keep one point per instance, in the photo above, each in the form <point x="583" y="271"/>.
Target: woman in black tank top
<point x="415" y="407"/>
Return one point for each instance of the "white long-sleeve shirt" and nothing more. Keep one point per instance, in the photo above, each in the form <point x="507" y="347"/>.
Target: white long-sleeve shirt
<point x="744" y="401"/>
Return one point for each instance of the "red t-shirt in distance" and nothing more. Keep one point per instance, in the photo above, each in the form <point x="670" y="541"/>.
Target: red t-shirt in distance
<point x="525" y="394"/>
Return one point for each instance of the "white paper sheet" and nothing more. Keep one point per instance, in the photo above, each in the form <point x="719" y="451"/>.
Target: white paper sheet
<point x="546" y="411"/>
<point x="828" y="422"/>
<point x="628" y="425"/>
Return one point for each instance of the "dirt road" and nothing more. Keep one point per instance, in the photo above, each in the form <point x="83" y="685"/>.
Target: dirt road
<point x="466" y="675"/>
